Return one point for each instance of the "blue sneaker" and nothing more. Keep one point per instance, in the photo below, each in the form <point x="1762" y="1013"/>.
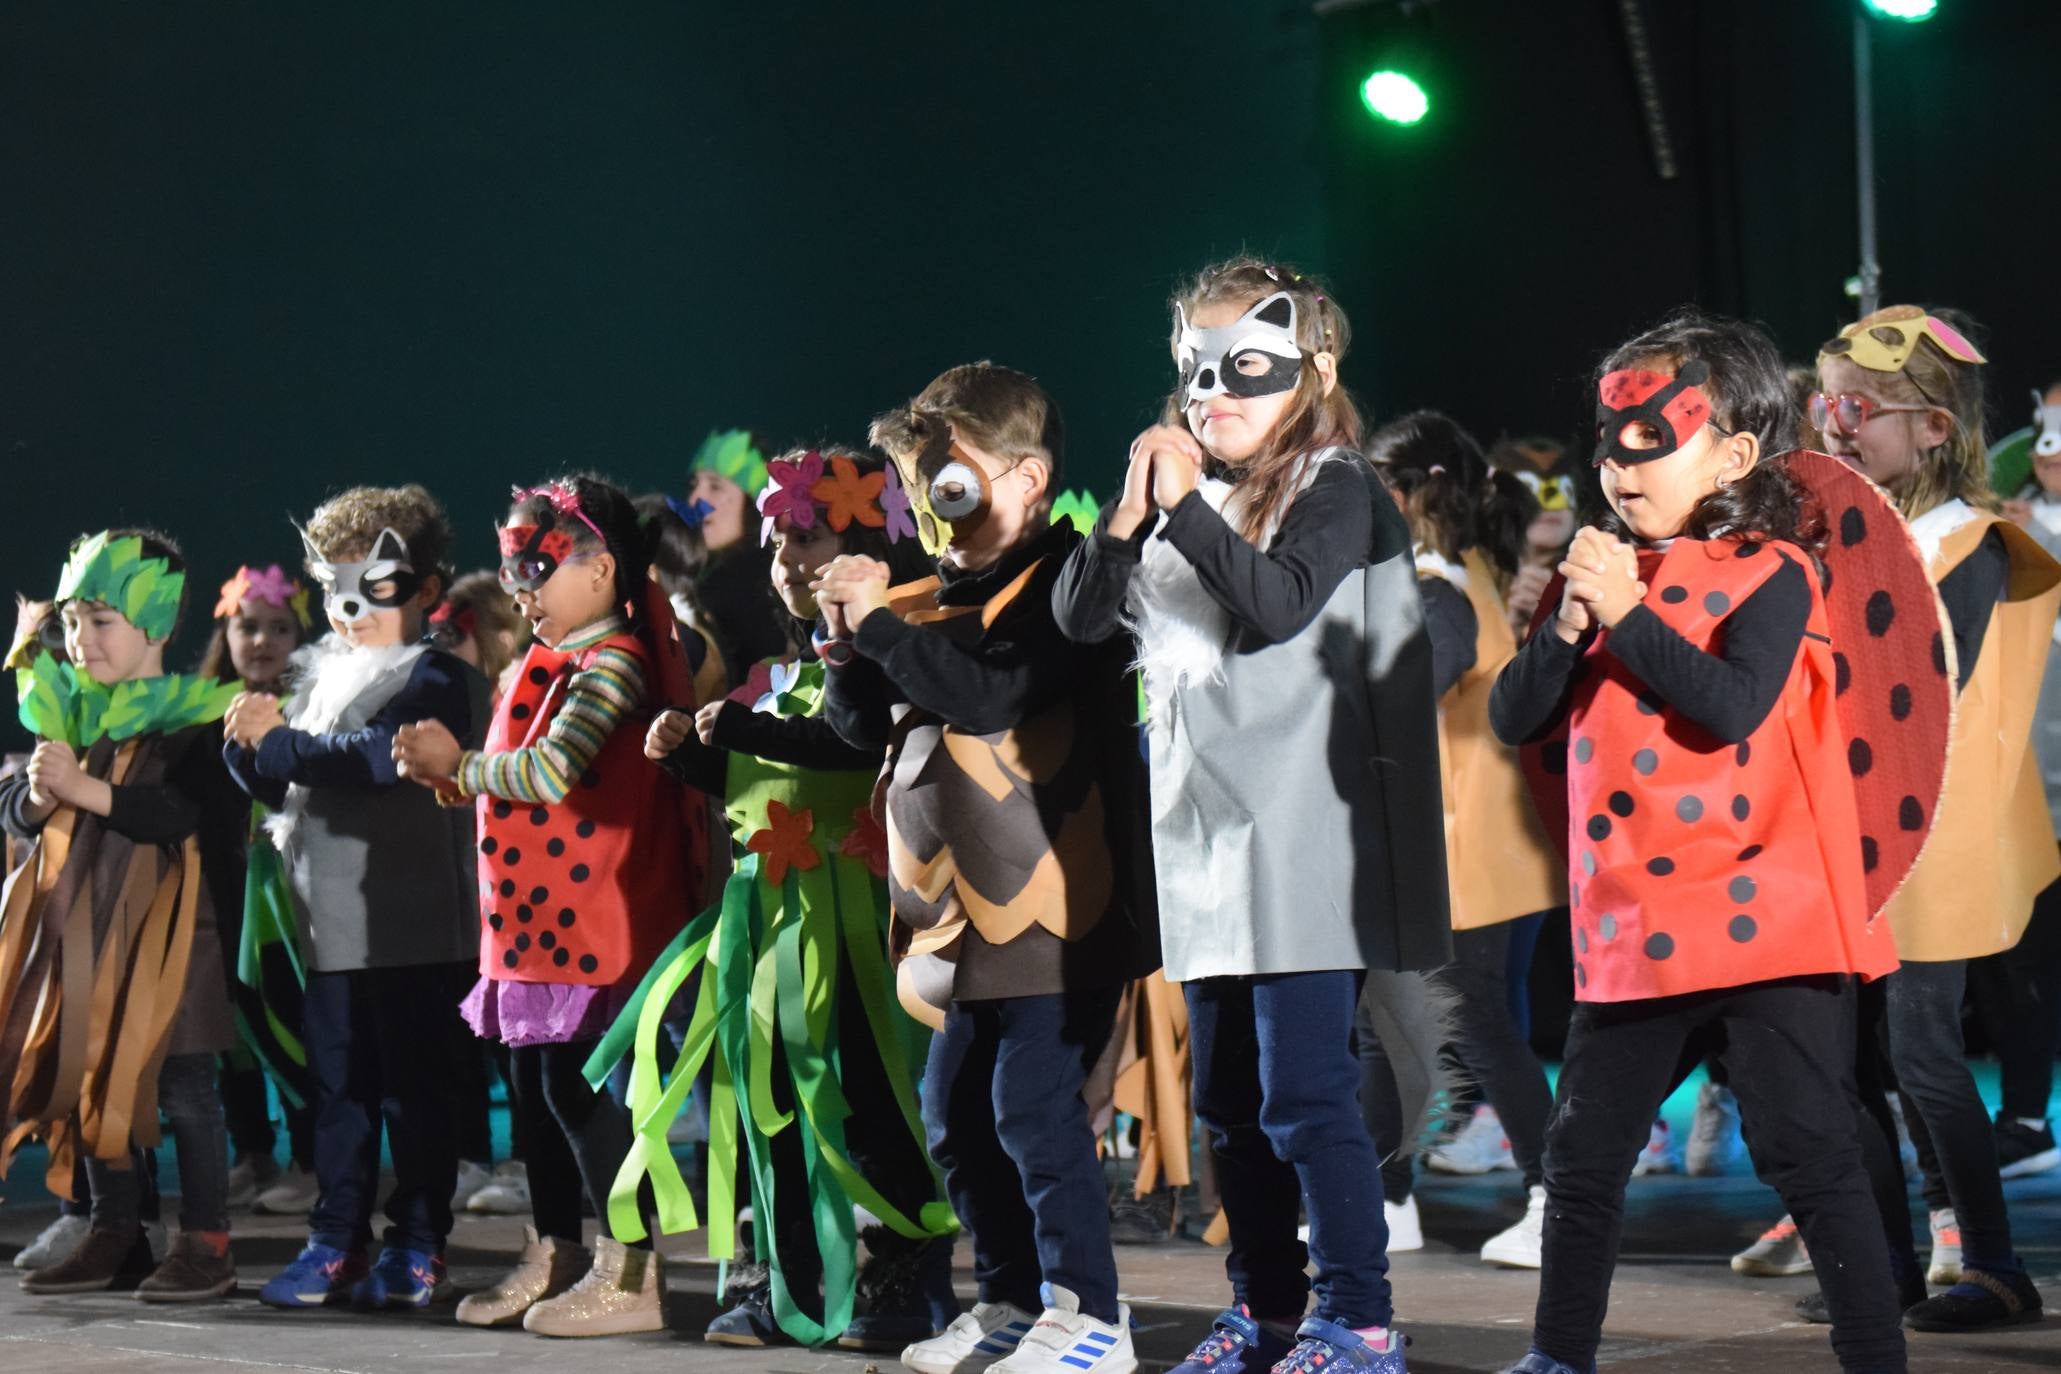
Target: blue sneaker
<point x="400" y="1279"/>
<point x="1236" y="1344"/>
<point x="319" y="1275"/>
<point x="1538" y="1362"/>
<point x="1325" y="1347"/>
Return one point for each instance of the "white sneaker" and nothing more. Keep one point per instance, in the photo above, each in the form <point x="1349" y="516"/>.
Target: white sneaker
<point x="507" y="1195"/>
<point x="293" y="1195"/>
<point x="243" y="1185"/>
<point x="1066" y="1340"/>
<point x="1660" y="1155"/>
<point x="1779" y="1253"/>
<point x="1405" y="1228"/>
<point x="1476" y="1148"/>
<point x="972" y="1342"/>
<point x="1715" y="1145"/>
<point x="1945" y="1267"/>
<point x="55" y="1244"/>
<point x="471" y="1178"/>
<point x="1518" y="1247"/>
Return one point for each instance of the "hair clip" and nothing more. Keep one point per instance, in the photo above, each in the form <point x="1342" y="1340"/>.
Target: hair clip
<point x="565" y="501"/>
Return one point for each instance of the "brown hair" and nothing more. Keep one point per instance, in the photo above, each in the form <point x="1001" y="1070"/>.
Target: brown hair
<point x="215" y="661"/>
<point x="998" y="409"/>
<point x="348" y="522"/>
<point x="1315" y="420"/>
<point x="493" y="612"/>
<point x="1930" y="377"/>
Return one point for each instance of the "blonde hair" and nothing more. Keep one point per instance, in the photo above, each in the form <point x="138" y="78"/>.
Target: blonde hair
<point x="1930" y="377"/>
<point x="1315" y="419"/>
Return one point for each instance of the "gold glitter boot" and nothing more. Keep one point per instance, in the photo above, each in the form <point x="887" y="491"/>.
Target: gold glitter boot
<point x="546" y="1269"/>
<point x="621" y="1294"/>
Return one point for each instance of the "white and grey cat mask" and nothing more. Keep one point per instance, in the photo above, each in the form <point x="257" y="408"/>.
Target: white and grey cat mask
<point x="384" y="579"/>
<point x="1255" y="355"/>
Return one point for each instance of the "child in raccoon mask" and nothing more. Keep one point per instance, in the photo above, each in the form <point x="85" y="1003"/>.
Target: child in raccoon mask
<point x="1015" y="812"/>
<point x="1266" y="575"/>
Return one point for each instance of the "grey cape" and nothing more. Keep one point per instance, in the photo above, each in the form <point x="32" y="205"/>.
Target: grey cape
<point x="1296" y="821"/>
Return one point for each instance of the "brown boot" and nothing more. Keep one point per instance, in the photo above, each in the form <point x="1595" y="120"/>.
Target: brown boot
<point x="621" y="1294"/>
<point x="104" y="1259"/>
<point x="546" y="1269"/>
<point x="198" y="1269"/>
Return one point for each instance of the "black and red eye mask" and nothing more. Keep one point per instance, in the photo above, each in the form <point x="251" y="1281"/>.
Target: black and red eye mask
<point x="1673" y="408"/>
<point x="530" y="554"/>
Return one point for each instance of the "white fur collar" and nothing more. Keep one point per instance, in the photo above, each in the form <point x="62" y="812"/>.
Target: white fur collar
<point x="329" y="677"/>
<point x="1183" y="633"/>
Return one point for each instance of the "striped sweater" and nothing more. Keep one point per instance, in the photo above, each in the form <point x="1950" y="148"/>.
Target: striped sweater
<point x="596" y="700"/>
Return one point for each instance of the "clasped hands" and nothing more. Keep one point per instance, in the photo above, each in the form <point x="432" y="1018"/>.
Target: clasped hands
<point x="1166" y="464"/>
<point x="1602" y="584"/>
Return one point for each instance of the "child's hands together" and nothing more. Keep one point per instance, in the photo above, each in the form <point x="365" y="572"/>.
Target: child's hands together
<point x="427" y="752"/>
<point x="1175" y="459"/>
<point x="1136" y="502"/>
<point x="668" y="732"/>
<point x="856" y="585"/>
<point x="52" y="771"/>
<point x="1603" y="583"/>
<point x="251" y="717"/>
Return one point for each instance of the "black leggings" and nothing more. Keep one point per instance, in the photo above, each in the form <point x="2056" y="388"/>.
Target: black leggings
<point x="575" y="1136"/>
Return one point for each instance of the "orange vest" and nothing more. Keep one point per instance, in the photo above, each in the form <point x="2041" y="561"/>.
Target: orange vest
<point x="1992" y="844"/>
<point x="1697" y="864"/>
<point x="1499" y="862"/>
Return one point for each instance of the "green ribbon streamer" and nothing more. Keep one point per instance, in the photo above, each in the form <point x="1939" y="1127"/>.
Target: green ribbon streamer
<point x="270" y="928"/>
<point x="770" y="973"/>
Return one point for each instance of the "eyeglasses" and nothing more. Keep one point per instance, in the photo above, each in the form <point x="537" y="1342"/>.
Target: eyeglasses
<point x="1846" y="413"/>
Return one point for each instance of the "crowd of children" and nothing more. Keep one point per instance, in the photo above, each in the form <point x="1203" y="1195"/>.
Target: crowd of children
<point x="843" y="812"/>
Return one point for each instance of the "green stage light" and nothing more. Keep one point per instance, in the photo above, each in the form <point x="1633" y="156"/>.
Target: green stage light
<point x="1909" y="11"/>
<point x="1394" y="97"/>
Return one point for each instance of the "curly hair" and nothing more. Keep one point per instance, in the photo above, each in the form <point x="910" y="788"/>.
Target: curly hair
<point x="346" y="524"/>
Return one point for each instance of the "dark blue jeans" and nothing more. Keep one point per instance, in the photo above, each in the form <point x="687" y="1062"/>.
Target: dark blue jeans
<point x="1006" y="1123"/>
<point x="379" y="1051"/>
<point x="1277" y="1089"/>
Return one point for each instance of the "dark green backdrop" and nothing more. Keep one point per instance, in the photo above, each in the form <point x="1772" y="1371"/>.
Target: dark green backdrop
<point x="250" y="252"/>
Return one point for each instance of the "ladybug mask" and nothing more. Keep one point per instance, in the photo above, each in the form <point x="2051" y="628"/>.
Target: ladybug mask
<point x="1673" y="407"/>
<point x="530" y="554"/>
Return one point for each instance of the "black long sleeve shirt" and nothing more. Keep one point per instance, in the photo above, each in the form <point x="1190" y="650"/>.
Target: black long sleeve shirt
<point x="1342" y="520"/>
<point x="1729" y="692"/>
<point x="803" y="741"/>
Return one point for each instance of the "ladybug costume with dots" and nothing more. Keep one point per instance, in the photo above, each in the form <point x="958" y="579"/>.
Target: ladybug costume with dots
<point x="589" y="888"/>
<point x="1683" y="846"/>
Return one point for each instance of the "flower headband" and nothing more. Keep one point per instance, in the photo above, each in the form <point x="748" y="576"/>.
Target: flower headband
<point x="1885" y="340"/>
<point x="270" y="585"/>
<point x="562" y="499"/>
<point x="796" y="488"/>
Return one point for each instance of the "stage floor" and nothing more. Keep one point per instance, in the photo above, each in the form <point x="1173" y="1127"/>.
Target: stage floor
<point x="1676" y="1305"/>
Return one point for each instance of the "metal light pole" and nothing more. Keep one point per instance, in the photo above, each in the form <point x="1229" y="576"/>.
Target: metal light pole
<point x="1864" y="159"/>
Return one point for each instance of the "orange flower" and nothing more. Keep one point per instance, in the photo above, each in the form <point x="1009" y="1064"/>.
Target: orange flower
<point x="867" y="841"/>
<point x="784" y="843"/>
<point x="846" y="496"/>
